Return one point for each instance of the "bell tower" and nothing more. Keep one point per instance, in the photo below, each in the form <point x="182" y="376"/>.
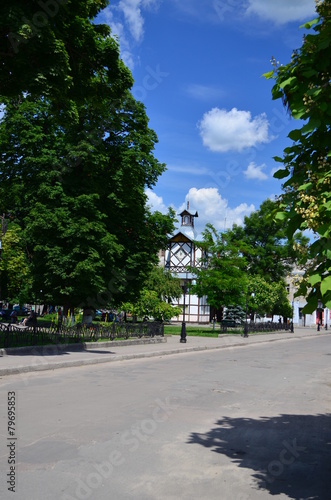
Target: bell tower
<point x="187" y="218"/>
<point x="183" y="254"/>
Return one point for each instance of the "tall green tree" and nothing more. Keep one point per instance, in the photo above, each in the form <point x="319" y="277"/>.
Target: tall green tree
<point x="75" y="165"/>
<point x="268" y="298"/>
<point x="54" y="48"/>
<point x="264" y="243"/>
<point x="303" y="85"/>
<point x="160" y="290"/>
<point x="15" y="277"/>
<point x="87" y="226"/>
<point x="166" y="286"/>
<point x="221" y="277"/>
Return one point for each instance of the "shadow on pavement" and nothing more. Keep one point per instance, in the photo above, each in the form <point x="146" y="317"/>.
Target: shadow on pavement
<point x="53" y="350"/>
<point x="289" y="454"/>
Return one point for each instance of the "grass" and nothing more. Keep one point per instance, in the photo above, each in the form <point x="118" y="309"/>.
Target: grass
<point x="198" y="331"/>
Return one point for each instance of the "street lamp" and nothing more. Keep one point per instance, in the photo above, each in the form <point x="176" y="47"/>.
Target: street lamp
<point x="246" y="324"/>
<point x="291" y="324"/>
<point x="183" y="330"/>
<point x="319" y="314"/>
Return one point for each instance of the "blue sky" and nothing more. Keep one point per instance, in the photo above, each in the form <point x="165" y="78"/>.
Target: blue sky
<point x="197" y="66"/>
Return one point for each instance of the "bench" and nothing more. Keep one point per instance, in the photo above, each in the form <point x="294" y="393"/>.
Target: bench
<point x="227" y="323"/>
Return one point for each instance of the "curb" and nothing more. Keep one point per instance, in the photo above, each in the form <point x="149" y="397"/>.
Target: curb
<point x="80" y="346"/>
<point x="124" y="357"/>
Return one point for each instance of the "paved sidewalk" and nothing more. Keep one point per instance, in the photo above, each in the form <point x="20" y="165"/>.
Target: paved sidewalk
<point x="52" y="357"/>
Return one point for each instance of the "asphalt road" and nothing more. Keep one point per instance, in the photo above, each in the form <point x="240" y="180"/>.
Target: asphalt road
<point x="232" y="424"/>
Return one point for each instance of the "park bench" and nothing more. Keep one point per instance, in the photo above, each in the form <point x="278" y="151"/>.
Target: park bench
<point x="227" y="323"/>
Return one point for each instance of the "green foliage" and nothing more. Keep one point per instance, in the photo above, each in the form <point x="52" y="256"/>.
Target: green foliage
<point x="267" y="249"/>
<point x="253" y="258"/>
<point x="55" y="50"/>
<point x="303" y="85"/>
<point x="235" y="313"/>
<point x="77" y="155"/>
<point x="166" y="286"/>
<point x="269" y="298"/>
<point x="155" y="298"/>
<point x="221" y="277"/>
<point x="15" y="277"/>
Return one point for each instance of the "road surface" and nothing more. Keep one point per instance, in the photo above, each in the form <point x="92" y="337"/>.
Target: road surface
<point x="242" y="423"/>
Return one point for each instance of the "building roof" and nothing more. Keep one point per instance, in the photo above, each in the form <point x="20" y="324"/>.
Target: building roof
<point x="180" y="237"/>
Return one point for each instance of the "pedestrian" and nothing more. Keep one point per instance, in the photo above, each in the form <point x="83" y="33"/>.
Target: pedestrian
<point x="13" y="316"/>
<point x="60" y="316"/>
<point x="31" y="319"/>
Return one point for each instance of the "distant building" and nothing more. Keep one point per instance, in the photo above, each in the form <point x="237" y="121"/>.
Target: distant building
<point x="321" y="316"/>
<point x="182" y="253"/>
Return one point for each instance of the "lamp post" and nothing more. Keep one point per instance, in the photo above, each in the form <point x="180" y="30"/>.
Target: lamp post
<point x="319" y="310"/>
<point x="183" y="330"/>
<point x="291" y="324"/>
<point x="246" y="324"/>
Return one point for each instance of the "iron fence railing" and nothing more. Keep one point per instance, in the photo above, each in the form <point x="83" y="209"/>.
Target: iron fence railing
<point x="267" y="327"/>
<point x="17" y="336"/>
<point x="255" y="327"/>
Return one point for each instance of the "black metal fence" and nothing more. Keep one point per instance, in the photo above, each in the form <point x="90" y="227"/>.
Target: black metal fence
<point x="267" y="327"/>
<point x="255" y="327"/>
<point x="36" y="335"/>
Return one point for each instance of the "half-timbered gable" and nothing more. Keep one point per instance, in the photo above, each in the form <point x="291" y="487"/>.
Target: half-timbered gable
<point x="180" y="258"/>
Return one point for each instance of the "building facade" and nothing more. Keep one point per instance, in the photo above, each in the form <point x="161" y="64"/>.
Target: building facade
<point x="321" y="316"/>
<point x="180" y="258"/>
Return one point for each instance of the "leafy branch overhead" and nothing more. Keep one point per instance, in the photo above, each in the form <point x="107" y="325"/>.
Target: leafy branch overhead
<point x="304" y="87"/>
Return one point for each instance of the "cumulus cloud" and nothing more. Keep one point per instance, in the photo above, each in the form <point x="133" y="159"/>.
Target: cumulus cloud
<point x="282" y="11"/>
<point x="254" y="171"/>
<point x="211" y="208"/>
<point x="235" y="130"/>
<point x="155" y="202"/>
<point x="214" y="209"/>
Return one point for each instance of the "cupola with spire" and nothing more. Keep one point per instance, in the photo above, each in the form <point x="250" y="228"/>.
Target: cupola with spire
<point x="188" y="217"/>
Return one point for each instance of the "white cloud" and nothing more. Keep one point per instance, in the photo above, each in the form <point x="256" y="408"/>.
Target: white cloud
<point x="155" y="202"/>
<point x="282" y="11"/>
<point x="223" y="130"/>
<point x="211" y="208"/>
<point x="132" y="14"/>
<point x="132" y="10"/>
<point x="214" y="209"/>
<point x="204" y="92"/>
<point x="255" y="172"/>
<point x="189" y="170"/>
<point x="126" y="21"/>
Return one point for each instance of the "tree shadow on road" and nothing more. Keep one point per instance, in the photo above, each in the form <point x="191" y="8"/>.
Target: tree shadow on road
<point x="54" y="350"/>
<point x="289" y="454"/>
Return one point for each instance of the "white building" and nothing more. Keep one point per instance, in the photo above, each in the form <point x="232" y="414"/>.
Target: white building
<point x="180" y="255"/>
<point x="321" y="316"/>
